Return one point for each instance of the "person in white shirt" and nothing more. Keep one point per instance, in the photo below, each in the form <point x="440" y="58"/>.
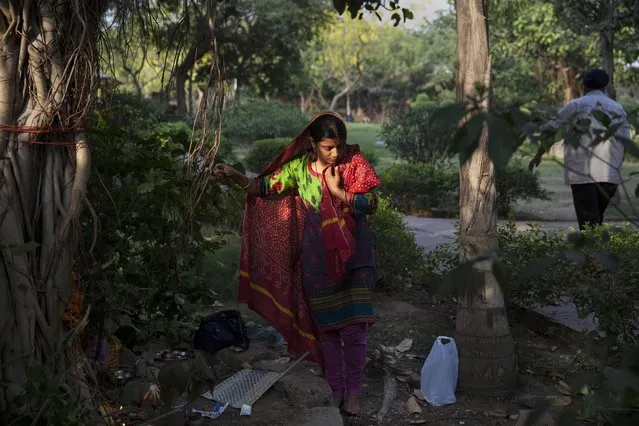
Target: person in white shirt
<point x="593" y="171"/>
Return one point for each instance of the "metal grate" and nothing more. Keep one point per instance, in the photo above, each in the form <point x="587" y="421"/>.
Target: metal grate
<point x="247" y="386"/>
<point x="244" y="387"/>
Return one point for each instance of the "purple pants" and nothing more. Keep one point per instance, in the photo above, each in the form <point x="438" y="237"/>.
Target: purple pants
<point x="345" y="358"/>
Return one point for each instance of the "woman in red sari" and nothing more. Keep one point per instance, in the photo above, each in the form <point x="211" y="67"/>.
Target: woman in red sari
<point x="307" y="261"/>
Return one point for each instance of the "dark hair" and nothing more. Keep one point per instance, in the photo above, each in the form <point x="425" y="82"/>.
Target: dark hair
<point x="596" y="79"/>
<point x="327" y="126"/>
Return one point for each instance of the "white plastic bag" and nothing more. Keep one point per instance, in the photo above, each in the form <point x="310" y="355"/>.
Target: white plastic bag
<point x="439" y="373"/>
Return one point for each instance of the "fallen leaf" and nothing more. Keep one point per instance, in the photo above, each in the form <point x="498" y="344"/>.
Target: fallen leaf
<point x="563" y="388"/>
<point x="513" y="416"/>
<point x="404" y="346"/>
<point x="418" y="394"/>
<point x="496" y="413"/>
<point x="418" y="422"/>
<point x="412" y="406"/>
<point x="388" y="349"/>
<point x="283" y="360"/>
<point x="529" y="371"/>
<point x="584" y="390"/>
<point x="402" y="379"/>
<point x="559" y="400"/>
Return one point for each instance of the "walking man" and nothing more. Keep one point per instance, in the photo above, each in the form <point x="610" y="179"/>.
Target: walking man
<point x="593" y="171"/>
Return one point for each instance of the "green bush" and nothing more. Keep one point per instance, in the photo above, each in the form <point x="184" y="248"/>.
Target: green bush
<point x="223" y="266"/>
<point x="127" y="113"/>
<point x="264" y="151"/>
<point x="421" y="186"/>
<point x="424" y="186"/>
<point x="516" y="183"/>
<point x="372" y="157"/>
<point x="145" y="262"/>
<point x="415" y="137"/>
<point x="256" y="119"/>
<point x="596" y="270"/>
<point x="398" y="257"/>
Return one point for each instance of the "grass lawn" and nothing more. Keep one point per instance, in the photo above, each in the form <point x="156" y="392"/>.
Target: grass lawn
<point x="560" y="206"/>
<point x="366" y="136"/>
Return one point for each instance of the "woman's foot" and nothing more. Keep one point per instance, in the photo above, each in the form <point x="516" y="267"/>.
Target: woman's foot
<point x="351" y="405"/>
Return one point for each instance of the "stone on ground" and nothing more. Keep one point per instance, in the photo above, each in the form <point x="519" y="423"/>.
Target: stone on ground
<point x="319" y="416"/>
<point x="303" y="388"/>
<point x="545" y="420"/>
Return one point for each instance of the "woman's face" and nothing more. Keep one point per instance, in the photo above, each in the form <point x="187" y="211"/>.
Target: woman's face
<point x="329" y="150"/>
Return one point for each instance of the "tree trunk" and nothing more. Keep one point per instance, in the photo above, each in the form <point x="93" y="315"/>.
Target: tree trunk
<point x="195" y="53"/>
<point x="337" y="97"/>
<point x="487" y="359"/>
<point x="180" y="90"/>
<point x="569" y="81"/>
<point x="606" y="51"/>
<point x="190" y="98"/>
<point x="44" y="163"/>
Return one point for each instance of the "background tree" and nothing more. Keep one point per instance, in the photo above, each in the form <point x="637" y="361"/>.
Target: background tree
<point x="408" y="63"/>
<point x="607" y="19"/>
<point x="536" y="57"/>
<point x="487" y="358"/>
<point x="337" y="58"/>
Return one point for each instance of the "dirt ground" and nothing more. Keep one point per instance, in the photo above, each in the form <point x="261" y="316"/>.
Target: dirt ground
<point x="547" y="359"/>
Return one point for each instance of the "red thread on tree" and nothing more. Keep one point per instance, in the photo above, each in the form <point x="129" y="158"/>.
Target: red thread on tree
<point x="41" y="130"/>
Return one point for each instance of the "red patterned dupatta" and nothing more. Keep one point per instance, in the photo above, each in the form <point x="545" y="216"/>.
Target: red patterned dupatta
<point x="270" y="265"/>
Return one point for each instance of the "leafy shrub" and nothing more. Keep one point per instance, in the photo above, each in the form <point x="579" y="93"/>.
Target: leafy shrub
<point x="145" y="262"/>
<point x="415" y="137"/>
<point x="516" y="183"/>
<point x="264" y="151"/>
<point x="128" y="113"/>
<point x="223" y="265"/>
<point x="424" y="186"/>
<point x="256" y="119"/>
<point x="399" y="259"/>
<point x="596" y="270"/>
<point x="421" y="186"/>
<point x="372" y="157"/>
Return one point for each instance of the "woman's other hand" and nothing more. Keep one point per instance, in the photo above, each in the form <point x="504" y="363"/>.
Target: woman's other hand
<point x="221" y="169"/>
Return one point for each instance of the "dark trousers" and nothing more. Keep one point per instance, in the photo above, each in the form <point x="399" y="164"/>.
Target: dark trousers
<point x="591" y="201"/>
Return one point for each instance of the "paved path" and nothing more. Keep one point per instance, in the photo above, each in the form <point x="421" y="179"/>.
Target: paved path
<point x="430" y="233"/>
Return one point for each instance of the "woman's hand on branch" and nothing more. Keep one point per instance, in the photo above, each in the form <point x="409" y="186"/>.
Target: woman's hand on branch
<point x="221" y="169"/>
